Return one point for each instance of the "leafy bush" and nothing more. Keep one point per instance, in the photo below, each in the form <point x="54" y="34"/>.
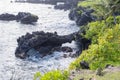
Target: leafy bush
<point x="96" y="29"/>
<point x="104" y="48"/>
<point x="52" y="75"/>
<point x="110" y="20"/>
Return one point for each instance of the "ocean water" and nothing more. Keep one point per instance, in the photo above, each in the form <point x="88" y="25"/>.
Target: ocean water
<point x="50" y="20"/>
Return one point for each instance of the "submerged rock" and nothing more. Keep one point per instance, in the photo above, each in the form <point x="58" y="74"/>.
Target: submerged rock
<point x="66" y="49"/>
<point x="23" y="17"/>
<point x="20" y="15"/>
<point x="7" y="17"/>
<point x="42" y="42"/>
<point x="63" y="49"/>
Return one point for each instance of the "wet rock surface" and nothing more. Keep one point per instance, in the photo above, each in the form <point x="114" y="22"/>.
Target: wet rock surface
<point x="7" y="17"/>
<point x="81" y="42"/>
<point x="23" y="17"/>
<point x="40" y="44"/>
<point x="63" y="49"/>
<point x="81" y="16"/>
<point x="43" y="43"/>
<point x="26" y="18"/>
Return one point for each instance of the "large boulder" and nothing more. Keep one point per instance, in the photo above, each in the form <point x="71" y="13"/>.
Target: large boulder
<point x="26" y="18"/>
<point x="7" y="17"/>
<point x="20" y="15"/>
<point x="43" y="42"/>
<point x="29" y="19"/>
<point x="84" y="19"/>
<point x="74" y="15"/>
<point x="81" y="16"/>
<point x="23" y="17"/>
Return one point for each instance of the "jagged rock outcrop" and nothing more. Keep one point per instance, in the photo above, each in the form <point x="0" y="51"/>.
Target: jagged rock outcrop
<point x="81" y="42"/>
<point x="42" y="42"/>
<point x="23" y="17"/>
<point x="81" y="16"/>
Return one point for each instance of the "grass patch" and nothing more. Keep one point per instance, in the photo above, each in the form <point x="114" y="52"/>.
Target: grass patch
<point x="87" y="75"/>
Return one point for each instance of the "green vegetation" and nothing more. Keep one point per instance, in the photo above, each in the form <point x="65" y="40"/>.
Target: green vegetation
<point x="52" y="75"/>
<point x="104" y="35"/>
<point x="96" y="29"/>
<point x="103" y="8"/>
<point x="104" y="49"/>
<point x="105" y="45"/>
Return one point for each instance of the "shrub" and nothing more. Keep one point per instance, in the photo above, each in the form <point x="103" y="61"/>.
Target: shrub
<point x="96" y="29"/>
<point x="52" y="75"/>
<point x="104" y="48"/>
<point x="110" y="20"/>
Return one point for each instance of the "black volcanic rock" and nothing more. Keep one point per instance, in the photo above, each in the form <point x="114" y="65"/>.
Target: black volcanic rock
<point x="29" y="19"/>
<point x="84" y="65"/>
<point x="81" y="16"/>
<point x="20" y="15"/>
<point x="7" y="17"/>
<point x="23" y="17"/>
<point x="26" y="18"/>
<point x="82" y="42"/>
<point x="42" y="42"/>
<point x="84" y="19"/>
<point x="73" y="15"/>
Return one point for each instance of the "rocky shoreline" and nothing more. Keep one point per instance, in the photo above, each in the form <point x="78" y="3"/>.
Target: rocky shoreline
<point x="81" y="15"/>
<point x="42" y="43"/>
<point x="58" y="4"/>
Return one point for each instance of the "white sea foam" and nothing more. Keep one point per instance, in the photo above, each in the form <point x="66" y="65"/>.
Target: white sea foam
<point x="50" y="20"/>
